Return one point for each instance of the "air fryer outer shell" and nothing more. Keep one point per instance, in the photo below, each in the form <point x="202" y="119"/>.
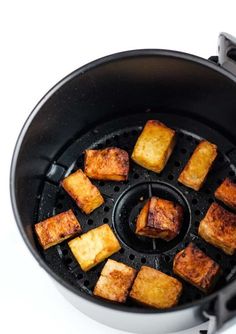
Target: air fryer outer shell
<point x="133" y="81"/>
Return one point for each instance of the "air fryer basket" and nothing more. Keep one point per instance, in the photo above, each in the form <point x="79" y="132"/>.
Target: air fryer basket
<point x="104" y="104"/>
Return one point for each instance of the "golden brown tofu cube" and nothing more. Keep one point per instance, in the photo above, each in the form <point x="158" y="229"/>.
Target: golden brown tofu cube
<point x="155" y="289"/>
<point x="195" y="172"/>
<point x="196" y="267"/>
<point x="111" y="163"/>
<point x="226" y="193"/>
<point x="160" y="218"/>
<point x="154" y="146"/>
<point x="115" y="281"/>
<point x="93" y="247"/>
<point x="86" y="195"/>
<point x="55" y="229"/>
<point x="218" y="228"/>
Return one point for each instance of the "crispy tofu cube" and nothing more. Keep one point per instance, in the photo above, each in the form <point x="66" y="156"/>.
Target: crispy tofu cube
<point x="55" y="229"/>
<point x="154" y="146"/>
<point x="196" y="268"/>
<point x="115" y="281"/>
<point x="86" y="195"/>
<point x="155" y="289"/>
<point x="93" y="247"/>
<point x="218" y="227"/>
<point x="111" y="163"/>
<point x="226" y="193"/>
<point x="195" y="172"/>
<point x="160" y="218"/>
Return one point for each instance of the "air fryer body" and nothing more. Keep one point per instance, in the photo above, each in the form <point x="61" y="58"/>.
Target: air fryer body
<point x="113" y="87"/>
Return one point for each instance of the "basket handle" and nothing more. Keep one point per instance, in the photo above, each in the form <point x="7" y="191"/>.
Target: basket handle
<point x="227" y="52"/>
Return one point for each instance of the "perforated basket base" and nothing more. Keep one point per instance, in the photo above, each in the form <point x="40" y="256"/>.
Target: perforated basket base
<point x="123" y="200"/>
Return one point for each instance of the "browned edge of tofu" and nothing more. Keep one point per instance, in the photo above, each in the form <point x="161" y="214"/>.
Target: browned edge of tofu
<point x="193" y="181"/>
<point x="115" y="281"/>
<point x="196" y="268"/>
<point x="87" y="196"/>
<point x="226" y="193"/>
<point x="111" y="163"/>
<point x="218" y="228"/>
<point x="56" y="229"/>
<point x="141" y="221"/>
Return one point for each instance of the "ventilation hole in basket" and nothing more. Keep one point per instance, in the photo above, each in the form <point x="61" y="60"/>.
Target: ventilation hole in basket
<point x="59" y="206"/>
<point x="194" y="201"/>
<point x="218" y="257"/>
<point x="106" y="208"/>
<point x="90" y="221"/>
<point x="197" y="295"/>
<point x="143" y="260"/>
<point x="116" y="137"/>
<point x="86" y="283"/>
<point x="80" y="276"/>
<point x="64" y="251"/>
<point x="189" y="138"/>
<point x="121" y="251"/>
<point x="108" y="142"/>
<point x="126" y="182"/>
<point x="81" y="157"/>
<point x="219" y="181"/>
<point x="177" y="164"/>
<point x="101" y="183"/>
<point x="183" y="150"/>
<point x="203" y="249"/>
<point x="93" y="269"/>
<point x="99" y="146"/>
<point x="125" y="134"/>
<point x="116" y="188"/>
<point x="136" y="175"/>
<point x="132" y="257"/>
<point x="68" y="260"/>
<point x="105" y="220"/>
<point x="231" y="173"/>
<point x="61" y="196"/>
<point x="232" y="263"/>
<point x="170" y="177"/>
<point x="210" y="200"/>
<point x="197" y="212"/>
<point x="207" y="191"/>
<point x="221" y="158"/>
